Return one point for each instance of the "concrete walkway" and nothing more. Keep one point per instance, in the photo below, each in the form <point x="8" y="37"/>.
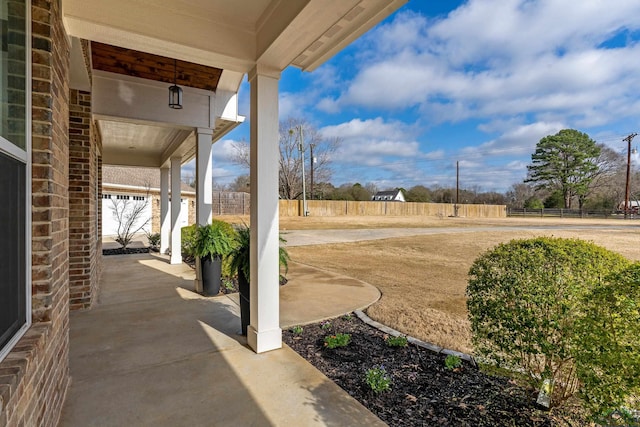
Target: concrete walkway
<point x="154" y="353"/>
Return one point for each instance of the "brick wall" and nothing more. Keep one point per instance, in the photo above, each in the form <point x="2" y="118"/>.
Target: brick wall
<point x="84" y="240"/>
<point x="34" y="376"/>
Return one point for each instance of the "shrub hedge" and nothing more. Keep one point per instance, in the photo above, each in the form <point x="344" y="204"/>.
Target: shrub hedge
<point x="524" y="300"/>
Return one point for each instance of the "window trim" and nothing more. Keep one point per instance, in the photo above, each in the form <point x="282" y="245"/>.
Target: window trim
<point x="24" y="156"/>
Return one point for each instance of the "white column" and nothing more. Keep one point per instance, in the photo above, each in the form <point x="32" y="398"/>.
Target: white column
<point x="264" y="332"/>
<point x="176" y="255"/>
<point x="204" y="177"/>
<point x="165" y="221"/>
<point x="204" y="188"/>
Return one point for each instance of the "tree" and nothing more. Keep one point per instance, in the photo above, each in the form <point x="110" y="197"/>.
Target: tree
<point x="418" y="193"/>
<point x="566" y="161"/>
<point x="520" y="194"/>
<point x="351" y="192"/>
<point x="290" y="176"/>
<point x="241" y="184"/>
<point x="129" y="213"/>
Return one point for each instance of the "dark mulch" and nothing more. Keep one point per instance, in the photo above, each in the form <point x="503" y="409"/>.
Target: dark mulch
<point x="127" y="251"/>
<point x="423" y="391"/>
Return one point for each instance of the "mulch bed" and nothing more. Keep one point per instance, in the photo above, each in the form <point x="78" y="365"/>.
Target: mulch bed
<point x="128" y="251"/>
<point x="423" y="392"/>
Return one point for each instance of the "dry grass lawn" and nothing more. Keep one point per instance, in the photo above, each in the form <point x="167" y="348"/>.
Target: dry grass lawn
<point x="423" y="279"/>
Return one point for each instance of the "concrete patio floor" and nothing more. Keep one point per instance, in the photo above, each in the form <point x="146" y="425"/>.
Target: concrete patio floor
<point x="154" y="353"/>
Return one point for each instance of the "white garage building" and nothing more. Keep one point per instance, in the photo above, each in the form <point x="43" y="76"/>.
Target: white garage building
<point x="126" y="188"/>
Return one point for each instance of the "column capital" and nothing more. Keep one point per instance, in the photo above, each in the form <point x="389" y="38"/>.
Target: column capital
<point x="263" y="70"/>
<point x="204" y="131"/>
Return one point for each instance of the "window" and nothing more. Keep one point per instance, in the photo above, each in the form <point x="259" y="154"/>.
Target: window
<point x="15" y="174"/>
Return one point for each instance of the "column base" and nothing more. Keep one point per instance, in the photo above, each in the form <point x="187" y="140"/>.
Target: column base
<point x="264" y="341"/>
<point x="176" y="259"/>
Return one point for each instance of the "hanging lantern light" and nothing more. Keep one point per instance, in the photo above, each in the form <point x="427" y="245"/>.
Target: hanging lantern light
<point x="175" y="91"/>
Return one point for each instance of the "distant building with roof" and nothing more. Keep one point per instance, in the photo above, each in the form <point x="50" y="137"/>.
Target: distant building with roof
<point x="389" y="196"/>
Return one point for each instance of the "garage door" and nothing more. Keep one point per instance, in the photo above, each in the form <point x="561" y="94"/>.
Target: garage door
<point x="117" y="202"/>
<point x="123" y="205"/>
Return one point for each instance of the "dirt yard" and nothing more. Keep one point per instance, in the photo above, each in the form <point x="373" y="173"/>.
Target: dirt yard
<point x="423" y="278"/>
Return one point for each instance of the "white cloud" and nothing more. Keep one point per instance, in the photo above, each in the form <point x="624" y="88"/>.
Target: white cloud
<point x="518" y="141"/>
<point x="224" y="151"/>
<point x="503" y="57"/>
<point x="371" y="128"/>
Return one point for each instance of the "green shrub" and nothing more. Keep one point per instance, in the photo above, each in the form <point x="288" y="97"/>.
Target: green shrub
<point x="337" y="340"/>
<point x="378" y="379"/>
<point x="187" y="240"/>
<point x="154" y="239"/>
<point x="297" y="330"/>
<point x="523" y="299"/>
<point x="452" y="362"/>
<point x="399" y="341"/>
<point x="607" y="349"/>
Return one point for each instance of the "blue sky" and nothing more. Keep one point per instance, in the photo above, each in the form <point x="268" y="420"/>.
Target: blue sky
<point x="479" y="82"/>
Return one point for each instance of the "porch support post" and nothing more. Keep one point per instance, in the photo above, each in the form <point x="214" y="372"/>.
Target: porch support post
<point x="176" y="256"/>
<point x="204" y="188"/>
<point x="264" y="332"/>
<point x="165" y="221"/>
<point x="204" y="177"/>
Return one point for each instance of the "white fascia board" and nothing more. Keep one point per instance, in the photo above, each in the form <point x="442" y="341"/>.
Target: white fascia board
<point x="106" y="187"/>
<point x="356" y="29"/>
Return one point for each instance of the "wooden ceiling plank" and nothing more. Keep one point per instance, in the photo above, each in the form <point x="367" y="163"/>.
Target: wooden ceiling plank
<point x="153" y="67"/>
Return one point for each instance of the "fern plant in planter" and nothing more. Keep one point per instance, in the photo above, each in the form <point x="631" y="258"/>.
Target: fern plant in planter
<point x="212" y="243"/>
<point x="239" y="262"/>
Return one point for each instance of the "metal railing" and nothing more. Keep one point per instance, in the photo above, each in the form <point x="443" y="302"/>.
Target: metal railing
<point x="564" y="213"/>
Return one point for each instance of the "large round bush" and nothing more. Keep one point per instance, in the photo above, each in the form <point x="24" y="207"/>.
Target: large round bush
<point x="524" y="298"/>
<point x="607" y="344"/>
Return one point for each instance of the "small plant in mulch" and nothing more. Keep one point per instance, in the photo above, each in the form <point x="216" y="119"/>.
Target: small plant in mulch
<point x="154" y="241"/>
<point x="377" y="379"/>
<point x="228" y="284"/>
<point x="452" y="362"/>
<point x="326" y="326"/>
<point x="297" y="330"/>
<point x="399" y="341"/>
<point x="423" y="392"/>
<point x="337" y="340"/>
<point x="348" y="317"/>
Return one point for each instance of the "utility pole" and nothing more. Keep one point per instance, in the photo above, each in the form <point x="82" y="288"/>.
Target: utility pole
<point x="626" y="191"/>
<point x="312" y="161"/>
<point x="455" y="209"/>
<point x="304" y="191"/>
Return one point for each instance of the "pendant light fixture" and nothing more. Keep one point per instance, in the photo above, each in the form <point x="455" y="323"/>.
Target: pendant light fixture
<point x="175" y="91"/>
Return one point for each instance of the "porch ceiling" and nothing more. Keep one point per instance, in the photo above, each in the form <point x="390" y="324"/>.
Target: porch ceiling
<point x="130" y="62"/>
<point x="143" y="144"/>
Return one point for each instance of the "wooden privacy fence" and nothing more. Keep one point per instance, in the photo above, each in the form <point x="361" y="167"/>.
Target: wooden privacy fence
<point x="344" y="207"/>
<point x="230" y="203"/>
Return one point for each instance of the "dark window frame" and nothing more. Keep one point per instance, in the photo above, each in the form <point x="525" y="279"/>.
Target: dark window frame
<point x="17" y="156"/>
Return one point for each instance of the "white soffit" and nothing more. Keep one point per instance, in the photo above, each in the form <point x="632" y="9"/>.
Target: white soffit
<point x="127" y="143"/>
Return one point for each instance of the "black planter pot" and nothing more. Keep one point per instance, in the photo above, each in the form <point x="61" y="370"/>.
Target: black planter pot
<point x="245" y="315"/>
<point x="211" y="268"/>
